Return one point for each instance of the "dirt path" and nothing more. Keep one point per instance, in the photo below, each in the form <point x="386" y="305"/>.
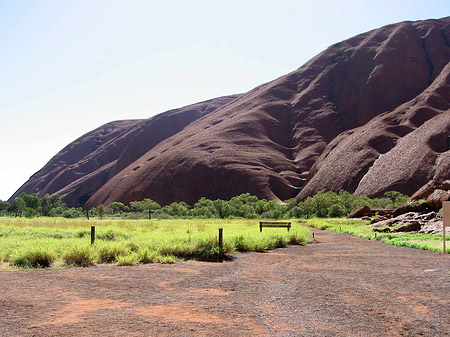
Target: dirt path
<point x="342" y="286"/>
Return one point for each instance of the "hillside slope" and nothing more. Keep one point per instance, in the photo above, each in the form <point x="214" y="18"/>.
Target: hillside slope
<point x="86" y="164"/>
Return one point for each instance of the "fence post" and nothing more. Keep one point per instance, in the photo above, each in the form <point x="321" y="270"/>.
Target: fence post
<point x="92" y="235"/>
<point x="445" y="222"/>
<point x="220" y="244"/>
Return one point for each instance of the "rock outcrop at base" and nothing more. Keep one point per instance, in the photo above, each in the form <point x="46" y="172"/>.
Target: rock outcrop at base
<point x="367" y="115"/>
<point x="421" y="213"/>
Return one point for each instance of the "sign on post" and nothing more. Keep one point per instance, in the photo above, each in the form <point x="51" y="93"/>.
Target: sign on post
<point x="445" y="222"/>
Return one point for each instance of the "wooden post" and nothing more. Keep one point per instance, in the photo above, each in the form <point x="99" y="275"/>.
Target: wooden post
<point x="92" y="235"/>
<point x="445" y="222"/>
<point x="220" y="244"/>
<point x="87" y="213"/>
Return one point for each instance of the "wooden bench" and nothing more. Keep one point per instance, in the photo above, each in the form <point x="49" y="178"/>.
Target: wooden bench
<point x="274" y="224"/>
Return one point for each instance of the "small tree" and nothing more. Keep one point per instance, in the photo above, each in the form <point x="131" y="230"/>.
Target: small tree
<point x="101" y="211"/>
<point x="397" y="198"/>
<point x="4" y="207"/>
<point x="19" y="205"/>
<point x="336" y="210"/>
<point x="309" y="207"/>
<point x="117" y="206"/>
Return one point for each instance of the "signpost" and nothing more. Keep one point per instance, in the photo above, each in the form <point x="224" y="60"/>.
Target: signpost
<point x="445" y="222"/>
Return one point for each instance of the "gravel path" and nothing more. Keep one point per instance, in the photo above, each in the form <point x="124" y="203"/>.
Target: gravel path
<point x="339" y="286"/>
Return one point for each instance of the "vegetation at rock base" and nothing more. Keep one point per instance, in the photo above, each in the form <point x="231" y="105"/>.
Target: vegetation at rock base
<point x="45" y="233"/>
<point x="322" y="204"/>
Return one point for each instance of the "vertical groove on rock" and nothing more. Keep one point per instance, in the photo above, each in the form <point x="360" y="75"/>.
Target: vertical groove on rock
<point x="444" y="37"/>
<point x="429" y="62"/>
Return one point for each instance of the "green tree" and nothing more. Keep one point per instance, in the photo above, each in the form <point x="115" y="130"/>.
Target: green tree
<point x="20" y="206"/>
<point x="336" y="210"/>
<point x="4" y="207"/>
<point x="323" y="201"/>
<point x="204" y="208"/>
<point x="117" y="206"/>
<point x="346" y="200"/>
<point x="32" y="201"/>
<point x="309" y="207"/>
<point x="397" y="198"/>
<point x="222" y="208"/>
<point x="101" y="211"/>
<point x="178" y="209"/>
<point x="144" y="205"/>
<point x="291" y="203"/>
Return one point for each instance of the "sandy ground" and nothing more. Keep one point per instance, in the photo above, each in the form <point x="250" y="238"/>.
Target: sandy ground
<point x="340" y="286"/>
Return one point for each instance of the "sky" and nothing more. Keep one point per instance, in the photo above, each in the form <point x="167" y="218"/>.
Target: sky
<point x="67" y="67"/>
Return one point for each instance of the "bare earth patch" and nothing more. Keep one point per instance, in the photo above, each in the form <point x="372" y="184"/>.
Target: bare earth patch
<point x="344" y="286"/>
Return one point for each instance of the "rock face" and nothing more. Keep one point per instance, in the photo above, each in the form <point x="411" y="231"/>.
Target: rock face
<point x="86" y="164"/>
<point x="367" y="115"/>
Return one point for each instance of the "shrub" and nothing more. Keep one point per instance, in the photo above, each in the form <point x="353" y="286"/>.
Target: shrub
<point x="207" y="250"/>
<point x="108" y="253"/>
<point x="296" y="239"/>
<point x="146" y="256"/>
<point x="336" y="210"/>
<point x="82" y="234"/>
<point x="80" y="256"/>
<point x="36" y="257"/>
<point x="127" y="260"/>
<point x="241" y="244"/>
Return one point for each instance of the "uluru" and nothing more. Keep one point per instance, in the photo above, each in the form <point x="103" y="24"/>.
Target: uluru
<point x="367" y="115"/>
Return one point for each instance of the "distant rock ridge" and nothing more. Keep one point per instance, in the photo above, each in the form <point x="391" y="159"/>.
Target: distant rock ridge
<point x="367" y="115"/>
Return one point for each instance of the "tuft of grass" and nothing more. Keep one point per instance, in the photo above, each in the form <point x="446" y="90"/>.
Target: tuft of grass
<point x="146" y="256"/>
<point x="208" y="250"/>
<point x="241" y="244"/>
<point x="79" y="256"/>
<point x="165" y="259"/>
<point x="127" y="260"/>
<point x="35" y="257"/>
<point x="110" y="252"/>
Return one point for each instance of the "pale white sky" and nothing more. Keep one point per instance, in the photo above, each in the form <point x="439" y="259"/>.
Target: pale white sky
<point x="67" y="67"/>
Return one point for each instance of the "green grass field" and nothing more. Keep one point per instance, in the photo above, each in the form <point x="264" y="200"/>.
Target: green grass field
<point x="359" y="228"/>
<point x="58" y="242"/>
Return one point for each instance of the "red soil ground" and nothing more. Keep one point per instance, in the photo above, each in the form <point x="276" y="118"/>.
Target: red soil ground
<point x="340" y="286"/>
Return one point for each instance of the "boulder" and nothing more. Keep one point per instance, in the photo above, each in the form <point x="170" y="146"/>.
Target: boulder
<point x="427" y="189"/>
<point x="413" y="226"/>
<point x="381" y="230"/>
<point x="410" y="207"/>
<point x="434" y="226"/>
<point x="378" y="219"/>
<point x="435" y="199"/>
<point x="382" y="211"/>
<point x="388" y="222"/>
<point x="360" y="212"/>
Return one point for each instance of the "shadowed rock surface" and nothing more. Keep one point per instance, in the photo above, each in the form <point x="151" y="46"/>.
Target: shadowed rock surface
<point x="367" y="115"/>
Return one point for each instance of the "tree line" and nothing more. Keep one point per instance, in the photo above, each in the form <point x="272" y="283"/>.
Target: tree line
<point x="322" y="204"/>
